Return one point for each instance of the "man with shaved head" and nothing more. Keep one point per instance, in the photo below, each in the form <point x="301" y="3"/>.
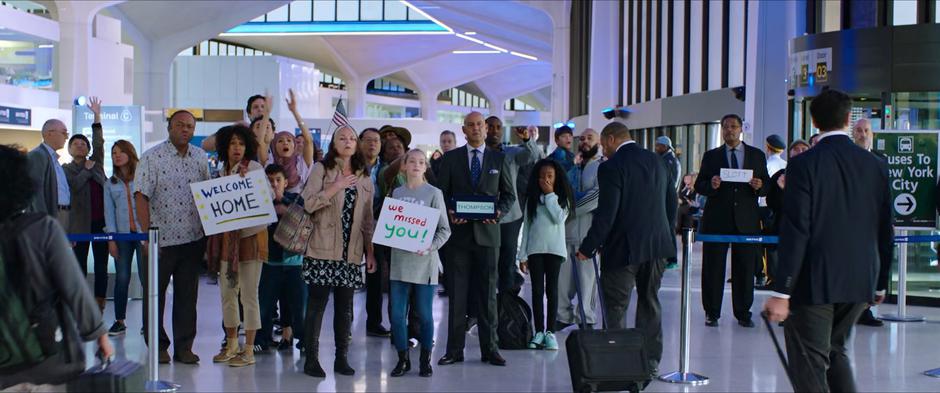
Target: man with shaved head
<point x="474" y="172"/>
<point x="586" y="191"/>
<point x="52" y="196"/>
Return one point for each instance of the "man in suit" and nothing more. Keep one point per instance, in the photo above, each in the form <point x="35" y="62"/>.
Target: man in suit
<point x="863" y="137"/>
<point x="474" y="170"/>
<point x="674" y="170"/>
<point x="633" y="233"/>
<point x="53" y="195"/>
<point x="833" y="260"/>
<point x="731" y="209"/>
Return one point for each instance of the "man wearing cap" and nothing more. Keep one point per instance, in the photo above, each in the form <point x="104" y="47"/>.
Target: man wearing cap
<point x="775" y="147"/>
<point x="763" y="273"/>
<point x="564" y="138"/>
<point x="674" y="170"/>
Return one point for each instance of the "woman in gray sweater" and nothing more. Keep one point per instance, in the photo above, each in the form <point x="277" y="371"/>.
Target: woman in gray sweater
<point x="416" y="272"/>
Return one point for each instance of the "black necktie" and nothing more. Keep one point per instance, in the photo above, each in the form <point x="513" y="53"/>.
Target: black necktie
<point x="734" y="159"/>
<point x="475" y="169"/>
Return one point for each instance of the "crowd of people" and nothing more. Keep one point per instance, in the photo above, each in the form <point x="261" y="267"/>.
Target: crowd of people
<point x="604" y="196"/>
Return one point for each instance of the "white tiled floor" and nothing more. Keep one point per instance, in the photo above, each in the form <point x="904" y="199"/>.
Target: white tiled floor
<point x="890" y="358"/>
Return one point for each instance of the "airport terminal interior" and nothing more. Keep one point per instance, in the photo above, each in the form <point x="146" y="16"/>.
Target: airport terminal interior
<point x="669" y="70"/>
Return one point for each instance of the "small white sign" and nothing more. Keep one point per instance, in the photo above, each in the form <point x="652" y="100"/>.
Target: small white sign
<point x="406" y="226"/>
<point x="736" y="175"/>
<point x="233" y="202"/>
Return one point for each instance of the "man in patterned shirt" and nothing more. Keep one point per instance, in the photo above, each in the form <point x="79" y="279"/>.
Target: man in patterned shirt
<point x="165" y="201"/>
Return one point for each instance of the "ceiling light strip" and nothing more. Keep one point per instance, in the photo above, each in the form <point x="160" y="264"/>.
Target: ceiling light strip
<point x="474" y="52"/>
<point x="425" y="14"/>
<point x="491" y="46"/>
<point x="523" y="55"/>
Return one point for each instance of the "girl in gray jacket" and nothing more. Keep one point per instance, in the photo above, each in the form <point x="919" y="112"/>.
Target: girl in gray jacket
<point x="416" y="272"/>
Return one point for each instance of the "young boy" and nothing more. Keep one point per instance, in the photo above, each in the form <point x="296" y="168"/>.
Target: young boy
<point x="281" y="276"/>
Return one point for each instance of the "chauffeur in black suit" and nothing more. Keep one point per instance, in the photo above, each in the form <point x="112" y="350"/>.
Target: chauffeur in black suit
<point x="634" y="234"/>
<point x="833" y="260"/>
<point x="470" y="170"/>
<point x="731" y="209"/>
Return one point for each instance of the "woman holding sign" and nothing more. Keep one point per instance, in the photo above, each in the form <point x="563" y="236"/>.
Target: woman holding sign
<point x="416" y="272"/>
<point x="243" y="252"/>
<point x="338" y="195"/>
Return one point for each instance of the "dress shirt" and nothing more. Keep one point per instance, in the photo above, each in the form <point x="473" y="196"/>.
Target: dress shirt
<point x="470" y="150"/>
<point x="738" y="152"/>
<point x="775" y="163"/>
<point x="625" y="143"/>
<point x="62" y="183"/>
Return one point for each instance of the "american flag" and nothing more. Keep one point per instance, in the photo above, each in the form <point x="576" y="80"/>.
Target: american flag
<point x="339" y="117"/>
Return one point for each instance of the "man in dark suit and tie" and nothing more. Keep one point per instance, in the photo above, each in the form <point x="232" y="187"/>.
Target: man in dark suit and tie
<point x="633" y="233"/>
<point x="731" y="209"/>
<point x="474" y="170"/>
<point x="833" y="261"/>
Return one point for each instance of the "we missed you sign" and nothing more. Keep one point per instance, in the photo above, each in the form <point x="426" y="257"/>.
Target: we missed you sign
<point x="234" y="202"/>
<point x="406" y="226"/>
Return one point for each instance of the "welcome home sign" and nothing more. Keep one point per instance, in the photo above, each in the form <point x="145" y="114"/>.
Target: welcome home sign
<point x="234" y="202"/>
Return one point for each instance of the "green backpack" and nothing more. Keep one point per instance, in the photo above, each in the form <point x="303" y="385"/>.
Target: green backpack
<point x="20" y="342"/>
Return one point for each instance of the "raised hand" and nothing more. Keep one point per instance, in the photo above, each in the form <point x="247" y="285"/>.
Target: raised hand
<point x="94" y="104"/>
<point x="291" y="101"/>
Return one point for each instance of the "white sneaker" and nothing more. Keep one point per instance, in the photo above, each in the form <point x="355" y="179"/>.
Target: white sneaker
<point x="550" y="343"/>
<point x="538" y="341"/>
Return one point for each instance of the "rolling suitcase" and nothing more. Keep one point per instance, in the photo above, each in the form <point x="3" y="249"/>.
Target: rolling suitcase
<point x="606" y="359"/>
<point x="116" y="376"/>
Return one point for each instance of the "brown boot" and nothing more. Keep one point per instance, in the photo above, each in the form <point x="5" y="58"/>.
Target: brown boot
<point x="101" y="302"/>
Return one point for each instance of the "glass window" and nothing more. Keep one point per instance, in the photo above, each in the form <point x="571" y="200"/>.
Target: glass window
<point x="476" y="102"/>
<point x="905" y="12"/>
<point x="204" y="48"/>
<point x="371" y="10"/>
<point x="231" y="50"/>
<point x="347" y="10"/>
<point x="258" y="19"/>
<point x="239" y="51"/>
<point x="278" y="15"/>
<point x="301" y="10"/>
<point x="395" y="10"/>
<point x="412" y="15"/>
<point x="213" y="48"/>
<point x="249" y="52"/>
<point x="936" y="6"/>
<point x="324" y="10"/>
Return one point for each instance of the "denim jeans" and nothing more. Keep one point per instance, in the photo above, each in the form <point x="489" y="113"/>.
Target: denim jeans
<point x="284" y="283"/>
<point x="400" y="295"/>
<point x="122" y="265"/>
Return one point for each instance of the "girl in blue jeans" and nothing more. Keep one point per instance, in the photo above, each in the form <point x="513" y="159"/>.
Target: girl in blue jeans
<point x="120" y="216"/>
<point x="416" y="272"/>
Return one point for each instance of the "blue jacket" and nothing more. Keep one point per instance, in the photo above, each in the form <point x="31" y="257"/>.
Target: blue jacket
<point x="116" y="218"/>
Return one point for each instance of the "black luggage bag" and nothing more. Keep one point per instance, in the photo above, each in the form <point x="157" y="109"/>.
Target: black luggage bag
<point x="606" y="359"/>
<point x="111" y="377"/>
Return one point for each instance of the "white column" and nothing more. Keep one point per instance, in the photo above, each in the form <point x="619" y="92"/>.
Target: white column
<point x="356" y="98"/>
<point x="770" y="27"/>
<point x="561" y="37"/>
<point x="73" y="58"/>
<point x="603" y="89"/>
<point x="428" y="105"/>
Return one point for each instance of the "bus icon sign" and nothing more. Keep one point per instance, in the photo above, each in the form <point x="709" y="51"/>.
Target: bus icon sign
<point x="905" y="144"/>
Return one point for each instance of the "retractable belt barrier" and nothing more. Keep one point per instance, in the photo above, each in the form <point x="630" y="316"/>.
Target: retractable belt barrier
<point x="108" y="237"/>
<point x="901" y="240"/>
<point x="760" y="239"/>
<point x="153" y="384"/>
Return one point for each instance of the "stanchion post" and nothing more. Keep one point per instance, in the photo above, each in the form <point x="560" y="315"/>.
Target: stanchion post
<point x="901" y="315"/>
<point x="683" y="376"/>
<point x="154" y="384"/>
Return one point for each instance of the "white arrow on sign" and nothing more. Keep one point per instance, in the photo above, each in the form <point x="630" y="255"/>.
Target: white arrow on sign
<point x="905" y="204"/>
